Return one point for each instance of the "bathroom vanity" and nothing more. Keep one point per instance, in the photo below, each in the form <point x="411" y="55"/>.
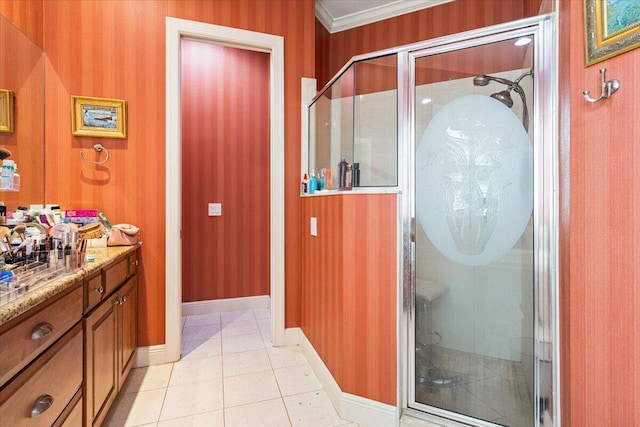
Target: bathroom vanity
<point x="66" y="348"/>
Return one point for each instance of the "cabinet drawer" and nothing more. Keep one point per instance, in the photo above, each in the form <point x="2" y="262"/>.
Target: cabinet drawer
<point x="115" y="275"/>
<point x="41" y="393"/>
<point x="133" y="263"/>
<point x="93" y="291"/>
<point x="23" y="342"/>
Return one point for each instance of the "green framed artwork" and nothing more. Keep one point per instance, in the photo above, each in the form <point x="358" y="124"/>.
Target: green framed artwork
<point x="611" y="28"/>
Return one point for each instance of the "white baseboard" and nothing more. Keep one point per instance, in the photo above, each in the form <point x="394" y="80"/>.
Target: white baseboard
<point x="291" y="336"/>
<point x="368" y="412"/>
<point x="152" y="355"/>
<point x="322" y="372"/>
<point x="227" y="304"/>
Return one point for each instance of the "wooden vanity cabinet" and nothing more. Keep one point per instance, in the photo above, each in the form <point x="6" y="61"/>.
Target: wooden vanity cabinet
<point x="110" y="333"/>
<point x="41" y="363"/>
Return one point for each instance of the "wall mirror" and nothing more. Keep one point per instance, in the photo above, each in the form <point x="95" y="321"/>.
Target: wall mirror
<point x="22" y="72"/>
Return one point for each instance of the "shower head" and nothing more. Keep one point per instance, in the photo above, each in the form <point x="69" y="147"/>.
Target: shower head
<point x="504" y="97"/>
<point x="483" y="80"/>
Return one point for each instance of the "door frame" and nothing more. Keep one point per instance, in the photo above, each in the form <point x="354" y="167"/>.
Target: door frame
<point x="176" y="29"/>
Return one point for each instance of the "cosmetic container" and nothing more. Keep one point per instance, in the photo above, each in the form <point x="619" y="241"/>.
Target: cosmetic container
<point x="355" y="175"/>
<point x="342" y="173"/>
<point x="8" y="168"/>
<point x="313" y="183"/>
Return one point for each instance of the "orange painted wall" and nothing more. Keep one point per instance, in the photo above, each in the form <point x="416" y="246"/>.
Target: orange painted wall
<point x="116" y="49"/>
<point x="600" y="250"/>
<point x="349" y="289"/>
<point x="26" y="15"/>
<point x="450" y="18"/>
<point x="225" y="159"/>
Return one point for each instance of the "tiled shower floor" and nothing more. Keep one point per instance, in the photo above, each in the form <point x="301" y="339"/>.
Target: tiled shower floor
<point x="478" y="386"/>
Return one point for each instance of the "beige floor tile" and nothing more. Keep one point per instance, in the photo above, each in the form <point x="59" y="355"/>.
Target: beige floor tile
<point x="196" y="370"/>
<point x="227" y="317"/>
<point x="148" y="378"/>
<point x="135" y="409"/>
<point x="202" y="348"/>
<point x="282" y="357"/>
<point x="240" y="327"/>
<point x="206" y="419"/>
<point x="200" y="332"/>
<point x="270" y="413"/>
<point x="297" y="379"/>
<point x="312" y="409"/>
<point x="239" y="343"/>
<point x="262" y="313"/>
<point x="203" y="319"/>
<point x="192" y="399"/>
<point x="245" y="362"/>
<point x="250" y="388"/>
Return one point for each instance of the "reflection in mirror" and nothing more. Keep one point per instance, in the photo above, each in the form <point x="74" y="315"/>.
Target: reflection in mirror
<point x="22" y="72"/>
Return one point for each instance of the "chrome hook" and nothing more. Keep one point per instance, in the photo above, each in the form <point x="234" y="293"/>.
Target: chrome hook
<point x="608" y="87"/>
<point x="98" y="148"/>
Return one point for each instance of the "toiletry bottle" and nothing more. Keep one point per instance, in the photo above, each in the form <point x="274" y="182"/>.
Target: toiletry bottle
<point x="347" y="180"/>
<point x="321" y="179"/>
<point x="303" y="185"/>
<point x="8" y="168"/>
<point x="328" y="179"/>
<point x="313" y="182"/>
<point x="15" y="184"/>
<point x="355" y="175"/>
<point x="342" y="171"/>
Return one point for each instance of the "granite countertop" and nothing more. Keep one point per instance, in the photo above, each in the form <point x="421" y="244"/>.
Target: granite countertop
<point x="103" y="257"/>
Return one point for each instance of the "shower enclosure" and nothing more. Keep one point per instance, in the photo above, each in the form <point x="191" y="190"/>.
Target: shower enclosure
<point x="463" y="127"/>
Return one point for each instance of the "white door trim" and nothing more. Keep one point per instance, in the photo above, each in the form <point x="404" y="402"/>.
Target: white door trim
<point x="175" y="30"/>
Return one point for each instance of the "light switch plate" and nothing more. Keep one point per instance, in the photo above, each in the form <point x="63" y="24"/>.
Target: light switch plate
<point x="314" y="226"/>
<point x="215" y="209"/>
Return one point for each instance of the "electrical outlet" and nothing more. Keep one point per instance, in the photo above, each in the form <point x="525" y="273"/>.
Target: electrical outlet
<point x="314" y="226"/>
<point x="215" y="209"/>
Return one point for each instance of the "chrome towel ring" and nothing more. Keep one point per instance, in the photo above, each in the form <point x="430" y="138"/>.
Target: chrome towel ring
<point x="98" y="148"/>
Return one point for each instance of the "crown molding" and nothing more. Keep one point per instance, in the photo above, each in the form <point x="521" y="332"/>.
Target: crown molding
<point x="379" y="13"/>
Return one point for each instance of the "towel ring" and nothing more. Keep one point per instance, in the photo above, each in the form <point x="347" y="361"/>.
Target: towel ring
<point x="98" y="148"/>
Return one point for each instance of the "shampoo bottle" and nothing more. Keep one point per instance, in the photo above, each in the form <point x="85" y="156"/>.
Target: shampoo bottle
<point x="313" y="183"/>
<point x="342" y="173"/>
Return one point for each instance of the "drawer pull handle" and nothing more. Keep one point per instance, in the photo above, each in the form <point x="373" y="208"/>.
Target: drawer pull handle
<point x="41" y="331"/>
<point x="43" y="403"/>
<point x="99" y="289"/>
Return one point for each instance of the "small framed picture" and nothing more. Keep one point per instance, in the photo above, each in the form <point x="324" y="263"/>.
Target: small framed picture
<point x="611" y="28"/>
<point x="101" y="117"/>
<point x="6" y="110"/>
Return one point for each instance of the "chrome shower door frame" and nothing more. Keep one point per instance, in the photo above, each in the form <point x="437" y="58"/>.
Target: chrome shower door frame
<point x="545" y="208"/>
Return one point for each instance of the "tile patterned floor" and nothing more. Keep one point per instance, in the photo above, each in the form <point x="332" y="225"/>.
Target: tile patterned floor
<point x="229" y="376"/>
<point x="482" y="387"/>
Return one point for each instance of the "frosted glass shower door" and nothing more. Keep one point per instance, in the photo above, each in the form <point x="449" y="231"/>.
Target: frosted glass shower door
<point x="473" y="234"/>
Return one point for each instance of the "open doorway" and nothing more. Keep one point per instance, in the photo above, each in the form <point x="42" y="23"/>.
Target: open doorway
<point x="177" y="30"/>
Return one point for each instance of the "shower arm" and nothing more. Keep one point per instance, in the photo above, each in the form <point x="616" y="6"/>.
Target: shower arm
<point x="515" y="86"/>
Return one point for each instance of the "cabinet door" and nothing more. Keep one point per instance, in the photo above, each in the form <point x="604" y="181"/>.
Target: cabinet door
<point x="127" y="318"/>
<point x="100" y="362"/>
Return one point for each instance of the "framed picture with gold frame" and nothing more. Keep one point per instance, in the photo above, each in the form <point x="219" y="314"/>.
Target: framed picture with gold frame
<point x="101" y="117"/>
<point x="611" y="28"/>
<point x="6" y="110"/>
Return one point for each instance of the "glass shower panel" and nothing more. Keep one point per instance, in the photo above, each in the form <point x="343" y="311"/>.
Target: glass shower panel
<point x="375" y="143"/>
<point x="474" y="262"/>
<point x="331" y="126"/>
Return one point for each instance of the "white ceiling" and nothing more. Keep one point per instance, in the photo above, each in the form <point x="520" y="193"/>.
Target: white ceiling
<point x="340" y="15"/>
